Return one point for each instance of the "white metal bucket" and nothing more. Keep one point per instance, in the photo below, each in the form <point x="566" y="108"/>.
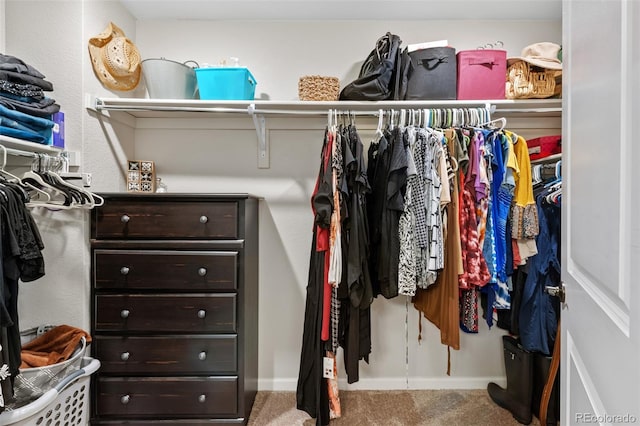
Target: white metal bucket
<point x="166" y="79"/>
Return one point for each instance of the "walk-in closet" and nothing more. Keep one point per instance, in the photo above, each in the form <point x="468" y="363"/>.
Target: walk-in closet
<point x="240" y="178"/>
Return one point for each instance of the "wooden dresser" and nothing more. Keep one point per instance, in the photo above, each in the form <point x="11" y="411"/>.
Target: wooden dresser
<point x="174" y="308"/>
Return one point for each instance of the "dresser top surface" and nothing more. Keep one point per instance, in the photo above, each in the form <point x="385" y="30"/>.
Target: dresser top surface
<point x="183" y="196"/>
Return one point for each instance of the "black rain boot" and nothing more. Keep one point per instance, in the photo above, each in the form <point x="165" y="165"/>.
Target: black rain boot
<point x="519" y="368"/>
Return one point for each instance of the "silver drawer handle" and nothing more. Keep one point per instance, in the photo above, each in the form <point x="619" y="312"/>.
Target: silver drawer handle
<point x="202" y="356"/>
<point x="202" y="398"/>
<point x="202" y="272"/>
<point x="125" y="399"/>
<point x="124" y="313"/>
<point x="125" y="218"/>
<point x="124" y="356"/>
<point x="124" y="270"/>
<point x="202" y="313"/>
<point x="204" y="219"/>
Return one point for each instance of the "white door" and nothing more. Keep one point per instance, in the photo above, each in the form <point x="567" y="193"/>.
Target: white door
<point x="600" y="368"/>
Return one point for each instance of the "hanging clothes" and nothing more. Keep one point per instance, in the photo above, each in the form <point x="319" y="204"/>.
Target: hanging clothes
<point x="355" y="307"/>
<point x="539" y="311"/>
<point x="339" y="290"/>
<point x="312" y="390"/>
<point x="524" y="213"/>
<point x="435" y="173"/>
<point x="439" y="303"/>
<point x="408" y="273"/>
<point x="22" y="260"/>
<point x="441" y="216"/>
<point x="387" y="165"/>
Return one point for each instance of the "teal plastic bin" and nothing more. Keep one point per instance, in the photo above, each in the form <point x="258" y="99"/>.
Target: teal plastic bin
<point x="226" y="83"/>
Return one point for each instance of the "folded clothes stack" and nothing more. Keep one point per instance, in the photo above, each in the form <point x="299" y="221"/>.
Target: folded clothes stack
<point x="25" y="111"/>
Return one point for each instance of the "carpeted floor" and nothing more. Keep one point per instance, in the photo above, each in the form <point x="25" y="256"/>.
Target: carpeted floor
<point x="389" y="408"/>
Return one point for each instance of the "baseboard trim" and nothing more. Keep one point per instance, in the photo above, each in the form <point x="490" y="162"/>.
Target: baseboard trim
<point x="397" y="383"/>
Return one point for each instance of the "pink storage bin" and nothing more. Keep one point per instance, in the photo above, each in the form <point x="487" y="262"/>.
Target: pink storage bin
<point x="482" y="74"/>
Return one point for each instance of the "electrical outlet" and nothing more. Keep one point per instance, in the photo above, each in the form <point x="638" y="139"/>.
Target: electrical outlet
<point x="86" y="180"/>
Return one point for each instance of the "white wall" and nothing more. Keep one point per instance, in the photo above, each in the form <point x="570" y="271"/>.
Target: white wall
<point x="2" y="26"/>
<point x="62" y="295"/>
<point x="278" y="53"/>
<point x="219" y="155"/>
<point x="60" y="52"/>
<point x="210" y="156"/>
<point x="106" y="144"/>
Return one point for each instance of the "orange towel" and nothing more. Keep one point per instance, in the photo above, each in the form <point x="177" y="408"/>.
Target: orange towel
<point x="52" y="347"/>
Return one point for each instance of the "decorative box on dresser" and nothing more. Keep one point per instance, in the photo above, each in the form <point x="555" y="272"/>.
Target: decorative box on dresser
<point x="174" y="308"/>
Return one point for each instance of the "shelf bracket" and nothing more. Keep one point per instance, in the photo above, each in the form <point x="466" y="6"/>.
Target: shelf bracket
<point x="263" y="141"/>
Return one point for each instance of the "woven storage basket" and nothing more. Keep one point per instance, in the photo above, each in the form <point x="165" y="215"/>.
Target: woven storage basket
<point x="318" y="88"/>
<point x="526" y="82"/>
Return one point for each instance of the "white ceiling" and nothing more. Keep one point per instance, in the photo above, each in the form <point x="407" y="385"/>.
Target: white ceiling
<point x="345" y="9"/>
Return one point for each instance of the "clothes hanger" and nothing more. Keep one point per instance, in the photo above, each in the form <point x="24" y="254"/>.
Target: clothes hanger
<point x="58" y="198"/>
<point x="502" y="120"/>
<point x="535" y="172"/>
<point x="553" y="195"/>
<point x="82" y="198"/>
<point x="379" y="133"/>
<point x="4" y="163"/>
<point x="24" y="187"/>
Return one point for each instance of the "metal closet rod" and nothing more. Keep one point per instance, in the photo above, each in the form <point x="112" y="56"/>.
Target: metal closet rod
<point x="340" y="111"/>
<point x="362" y="112"/>
<point x="318" y="108"/>
<point x="22" y="153"/>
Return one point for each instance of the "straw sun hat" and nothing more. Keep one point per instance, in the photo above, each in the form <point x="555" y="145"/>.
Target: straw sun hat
<point x="115" y="59"/>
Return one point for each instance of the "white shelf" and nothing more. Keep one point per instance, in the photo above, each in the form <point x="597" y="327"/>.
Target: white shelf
<point x="258" y="109"/>
<point x="25" y="148"/>
<point x="159" y="108"/>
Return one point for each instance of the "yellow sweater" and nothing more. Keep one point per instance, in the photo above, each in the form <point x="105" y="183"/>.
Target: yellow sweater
<point x="525" y="212"/>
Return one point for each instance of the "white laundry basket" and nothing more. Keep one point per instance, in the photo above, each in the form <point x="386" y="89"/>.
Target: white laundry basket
<point x="67" y="404"/>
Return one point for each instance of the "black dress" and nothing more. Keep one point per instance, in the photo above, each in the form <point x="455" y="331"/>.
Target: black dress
<point x="312" y="392"/>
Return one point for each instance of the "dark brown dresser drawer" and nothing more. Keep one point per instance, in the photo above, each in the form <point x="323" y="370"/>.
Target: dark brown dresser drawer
<point x="167" y="396"/>
<point x="167" y="220"/>
<point x="169" y="313"/>
<point x="165" y="270"/>
<point x="167" y="355"/>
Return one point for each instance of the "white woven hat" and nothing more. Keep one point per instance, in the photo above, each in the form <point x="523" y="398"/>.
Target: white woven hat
<point x="115" y="59"/>
<point x="543" y="55"/>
